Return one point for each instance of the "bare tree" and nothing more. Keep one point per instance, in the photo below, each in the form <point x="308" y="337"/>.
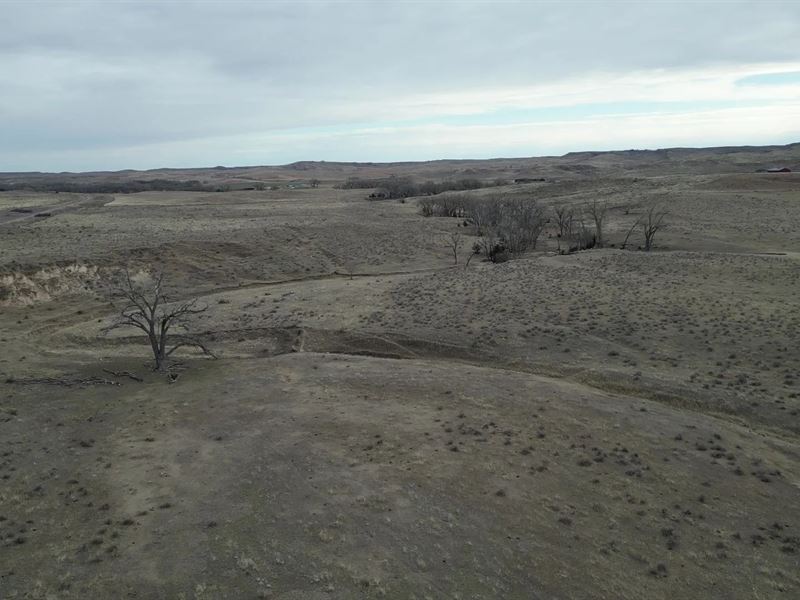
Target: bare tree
<point x="521" y="224"/>
<point x="147" y="309"/>
<point x="452" y="205"/>
<point x="473" y="252"/>
<point x="454" y="241"/>
<point x="491" y="244"/>
<point x="484" y="213"/>
<point x="651" y="224"/>
<point x="580" y="238"/>
<point x="597" y="210"/>
<point x="427" y="206"/>
<point x="564" y="216"/>
<point x="630" y="231"/>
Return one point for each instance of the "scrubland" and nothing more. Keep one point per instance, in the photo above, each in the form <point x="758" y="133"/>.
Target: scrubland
<point x="383" y="423"/>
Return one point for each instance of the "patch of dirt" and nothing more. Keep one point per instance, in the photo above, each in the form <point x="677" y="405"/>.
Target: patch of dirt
<point x="46" y="284"/>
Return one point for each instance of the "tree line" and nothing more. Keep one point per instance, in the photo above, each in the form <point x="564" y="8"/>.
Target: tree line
<point x="396" y="187"/>
<point x="109" y="187"/>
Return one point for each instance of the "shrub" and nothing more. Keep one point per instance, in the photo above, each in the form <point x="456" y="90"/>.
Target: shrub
<point x="427" y="207"/>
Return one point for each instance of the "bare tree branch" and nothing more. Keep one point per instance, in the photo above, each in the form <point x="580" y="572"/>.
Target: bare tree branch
<point x="651" y="224"/>
<point x="630" y="231"/>
<point x="454" y="241"/>
<point x="597" y="210"/>
<point x="564" y="219"/>
<point x="148" y="310"/>
<point x="192" y="344"/>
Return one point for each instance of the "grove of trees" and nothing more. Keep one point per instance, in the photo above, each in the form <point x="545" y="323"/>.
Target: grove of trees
<point x="395" y="187"/>
<point x="508" y="226"/>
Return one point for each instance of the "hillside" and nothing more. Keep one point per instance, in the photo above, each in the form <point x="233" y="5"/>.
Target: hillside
<point x="684" y="161"/>
<point x="383" y="419"/>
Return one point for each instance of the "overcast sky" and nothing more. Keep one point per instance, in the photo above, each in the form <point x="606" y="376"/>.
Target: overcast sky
<point x="114" y="85"/>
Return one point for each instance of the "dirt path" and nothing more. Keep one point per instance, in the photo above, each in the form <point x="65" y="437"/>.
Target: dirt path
<point x="324" y="277"/>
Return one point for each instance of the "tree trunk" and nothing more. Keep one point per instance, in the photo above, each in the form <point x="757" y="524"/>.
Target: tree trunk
<point x="159" y="356"/>
<point x="160" y="360"/>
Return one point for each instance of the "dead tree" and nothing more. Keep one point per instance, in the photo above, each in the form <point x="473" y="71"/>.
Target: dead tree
<point x="580" y="238"/>
<point x="564" y="218"/>
<point x="427" y="206"/>
<point x="454" y="241"/>
<point x="474" y="251"/>
<point x="630" y="231"/>
<point x="147" y="309"/>
<point x="521" y="224"/>
<point x="484" y="213"/>
<point x="597" y="210"/>
<point x="491" y="245"/>
<point x="651" y="224"/>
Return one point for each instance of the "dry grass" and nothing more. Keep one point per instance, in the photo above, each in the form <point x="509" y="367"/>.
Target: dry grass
<point x="611" y="423"/>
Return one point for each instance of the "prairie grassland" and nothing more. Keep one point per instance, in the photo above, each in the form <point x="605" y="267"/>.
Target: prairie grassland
<point x="383" y="424"/>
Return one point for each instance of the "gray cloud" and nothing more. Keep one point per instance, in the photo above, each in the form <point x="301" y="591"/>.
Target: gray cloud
<point x="89" y="76"/>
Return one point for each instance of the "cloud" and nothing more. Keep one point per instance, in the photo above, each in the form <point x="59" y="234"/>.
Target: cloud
<point x="779" y="78"/>
<point x="115" y="85"/>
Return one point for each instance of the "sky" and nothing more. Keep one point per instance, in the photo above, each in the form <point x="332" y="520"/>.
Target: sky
<point x="117" y="85"/>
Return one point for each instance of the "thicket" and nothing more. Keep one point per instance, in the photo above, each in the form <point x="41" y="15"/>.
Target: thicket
<point x="395" y="187"/>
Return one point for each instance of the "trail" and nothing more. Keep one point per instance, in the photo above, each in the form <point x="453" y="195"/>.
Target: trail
<point x="322" y="277"/>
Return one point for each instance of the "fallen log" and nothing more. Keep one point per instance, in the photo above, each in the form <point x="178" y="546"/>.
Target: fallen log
<point x="127" y="374"/>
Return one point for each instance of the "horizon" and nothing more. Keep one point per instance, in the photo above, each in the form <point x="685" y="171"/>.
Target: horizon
<point x="373" y="162"/>
<point x="137" y="86"/>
